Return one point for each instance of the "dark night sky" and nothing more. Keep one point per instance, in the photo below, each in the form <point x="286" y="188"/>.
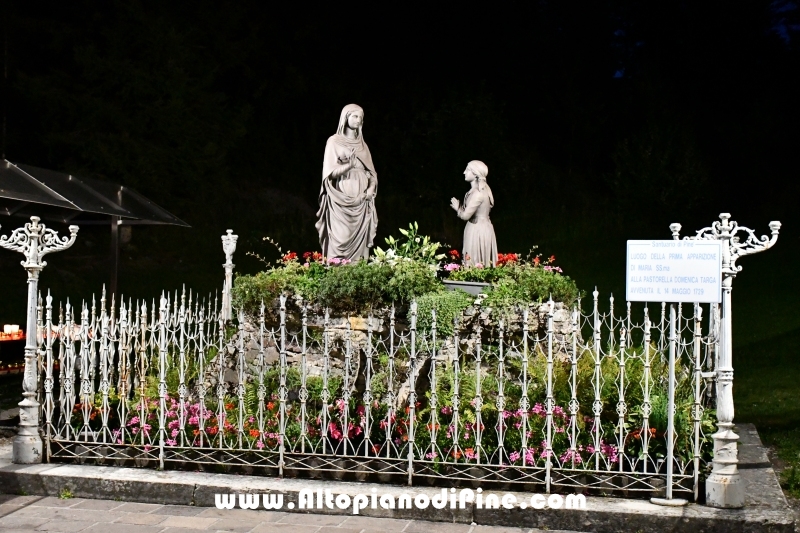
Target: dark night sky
<point x="600" y="121"/>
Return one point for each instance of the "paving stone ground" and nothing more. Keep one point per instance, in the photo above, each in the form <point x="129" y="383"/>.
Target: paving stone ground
<point x="36" y="513"/>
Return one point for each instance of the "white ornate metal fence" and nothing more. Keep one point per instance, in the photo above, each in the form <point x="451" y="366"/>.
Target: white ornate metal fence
<point x="523" y="402"/>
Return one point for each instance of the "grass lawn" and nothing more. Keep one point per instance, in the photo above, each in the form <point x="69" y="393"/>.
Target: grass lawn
<point x="766" y="392"/>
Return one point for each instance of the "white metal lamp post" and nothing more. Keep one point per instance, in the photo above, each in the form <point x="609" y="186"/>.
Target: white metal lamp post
<point x="228" y="246"/>
<point x="724" y="487"/>
<point x="35" y="241"/>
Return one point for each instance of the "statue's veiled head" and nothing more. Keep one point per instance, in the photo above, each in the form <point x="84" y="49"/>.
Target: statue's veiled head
<point x="353" y="117"/>
<point x="478" y="168"/>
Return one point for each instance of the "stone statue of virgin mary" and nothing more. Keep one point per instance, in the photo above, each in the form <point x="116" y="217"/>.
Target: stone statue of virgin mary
<point x="346" y="220"/>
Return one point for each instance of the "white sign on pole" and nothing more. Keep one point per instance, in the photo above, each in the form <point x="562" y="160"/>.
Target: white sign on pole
<point x="674" y="271"/>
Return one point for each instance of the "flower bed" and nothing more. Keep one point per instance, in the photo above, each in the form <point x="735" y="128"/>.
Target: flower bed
<point x="410" y="267"/>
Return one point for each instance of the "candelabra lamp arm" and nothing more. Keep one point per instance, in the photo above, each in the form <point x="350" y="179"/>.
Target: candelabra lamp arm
<point x="676" y="230"/>
<point x="753" y="244"/>
<point x="35" y="241"/>
<point x="51" y="242"/>
<point x="708" y="234"/>
<point x="18" y="241"/>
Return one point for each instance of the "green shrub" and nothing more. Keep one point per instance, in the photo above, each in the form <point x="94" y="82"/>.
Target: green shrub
<point x="480" y="275"/>
<point x="409" y="279"/>
<point x="249" y="291"/>
<point x="288" y="278"/>
<point x="528" y="283"/>
<point x="354" y="287"/>
<point x="538" y="284"/>
<point x="448" y="305"/>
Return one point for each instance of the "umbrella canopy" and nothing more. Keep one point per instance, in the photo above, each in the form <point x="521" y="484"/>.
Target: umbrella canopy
<point x="26" y="190"/>
<point x="31" y="191"/>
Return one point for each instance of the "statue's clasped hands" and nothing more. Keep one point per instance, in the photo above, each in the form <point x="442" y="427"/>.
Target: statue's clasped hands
<point x="455" y="204"/>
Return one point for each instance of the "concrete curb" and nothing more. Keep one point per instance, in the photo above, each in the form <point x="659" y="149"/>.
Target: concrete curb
<point x="766" y="510"/>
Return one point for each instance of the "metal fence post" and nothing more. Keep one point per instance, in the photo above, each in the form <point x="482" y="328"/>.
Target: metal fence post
<point x="34" y="241"/>
<point x="162" y="379"/>
<point x="549" y="400"/>
<point x="412" y="395"/>
<point x="228" y="246"/>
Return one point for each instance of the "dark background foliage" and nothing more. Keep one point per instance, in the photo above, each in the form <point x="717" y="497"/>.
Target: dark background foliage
<point x="600" y="121"/>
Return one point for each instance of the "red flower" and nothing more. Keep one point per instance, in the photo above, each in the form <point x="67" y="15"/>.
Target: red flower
<point x="551" y="259"/>
<point x="290" y="256"/>
<point x="536" y="261"/>
<point x="503" y="259"/>
<point x="454" y="254"/>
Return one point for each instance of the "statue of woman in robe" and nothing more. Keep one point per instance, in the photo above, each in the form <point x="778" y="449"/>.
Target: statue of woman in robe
<point x="480" y="244"/>
<point x="346" y="220"/>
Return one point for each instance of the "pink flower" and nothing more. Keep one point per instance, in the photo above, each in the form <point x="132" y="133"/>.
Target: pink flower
<point x="452" y="266"/>
<point x="334" y="430"/>
<point x="431" y="455"/>
<point x="341" y="405"/>
<point x="478" y="265"/>
<point x="530" y="456"/>
<point x="514" y="457"/>
<point x="260" y="445"/>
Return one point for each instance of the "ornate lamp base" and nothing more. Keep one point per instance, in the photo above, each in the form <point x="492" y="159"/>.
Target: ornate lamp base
<point x="27" y="445"/>
<point x="724" y="487"/>
<point x="725" y="492"/>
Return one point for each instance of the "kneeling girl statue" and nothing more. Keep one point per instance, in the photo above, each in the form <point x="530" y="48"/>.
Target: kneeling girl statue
<point x="480" y="245"/>
<point x="346" y="220"/>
